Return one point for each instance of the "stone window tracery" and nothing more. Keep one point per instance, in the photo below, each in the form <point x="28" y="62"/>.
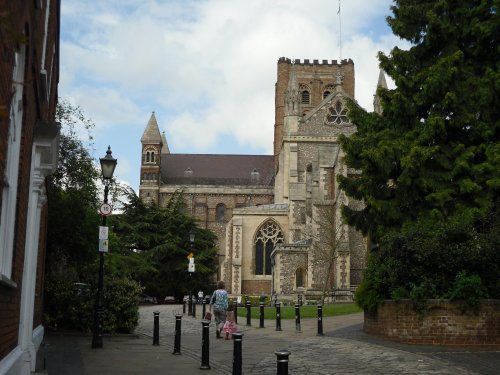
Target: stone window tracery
<point x="337" y="114"/>
<point x="268" y="236"/>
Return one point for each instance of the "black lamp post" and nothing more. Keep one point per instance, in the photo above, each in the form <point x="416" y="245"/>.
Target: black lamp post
<point x="108" y="165"/>
<point x="191" y="246"/>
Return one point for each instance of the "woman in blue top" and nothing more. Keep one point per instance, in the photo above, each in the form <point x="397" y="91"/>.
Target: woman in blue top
<point x="220" y="302"/>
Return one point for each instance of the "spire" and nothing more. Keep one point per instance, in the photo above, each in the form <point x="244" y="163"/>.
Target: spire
<point x="152" y="133"/>
<point x="381" y="79"/>
<point x="377" y="104"/>
<point x="292" y="95"/>
<point x="164" y="149"/>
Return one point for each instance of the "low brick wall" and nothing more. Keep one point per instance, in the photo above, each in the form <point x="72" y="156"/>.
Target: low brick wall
<point x="445" y="323"/>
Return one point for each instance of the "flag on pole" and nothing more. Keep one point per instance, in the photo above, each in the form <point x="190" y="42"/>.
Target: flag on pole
<point x="338" y="12"/>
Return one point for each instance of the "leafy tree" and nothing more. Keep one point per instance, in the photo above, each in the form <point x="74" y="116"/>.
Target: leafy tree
<point x="72" y="256"/>
<point x="434" y="150"/>
<point x="73" y="200"/>
<point x="161" y="237"/>
<point x="430" y="182"/>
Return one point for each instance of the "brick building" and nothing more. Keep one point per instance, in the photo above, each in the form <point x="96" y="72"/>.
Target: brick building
<point x="269" y="211"/>
<point x="29" y="75"/>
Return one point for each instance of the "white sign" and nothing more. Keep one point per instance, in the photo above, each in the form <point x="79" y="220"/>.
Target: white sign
<point x="191" y="260"/>
<point x="105" y="209"/>
<point x="103" y="246"/>
<point x="191" y="267"/>
<point x="103" y="233"/>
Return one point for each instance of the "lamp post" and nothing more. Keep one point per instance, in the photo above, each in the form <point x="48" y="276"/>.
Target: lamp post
<point x="108" y="165"/>
<point x="191" y="270"/>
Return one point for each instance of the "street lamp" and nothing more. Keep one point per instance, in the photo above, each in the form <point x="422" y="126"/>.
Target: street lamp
<point x="108" y="165"/>
<point x="191" y="270"/>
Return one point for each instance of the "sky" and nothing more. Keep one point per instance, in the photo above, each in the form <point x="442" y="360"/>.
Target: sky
<point x="207" y="68"/>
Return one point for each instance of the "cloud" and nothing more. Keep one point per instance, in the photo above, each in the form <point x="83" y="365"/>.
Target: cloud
<point x="207" y="68"/>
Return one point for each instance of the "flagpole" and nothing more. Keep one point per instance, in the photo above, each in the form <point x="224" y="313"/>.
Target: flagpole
<point x="340" y="34"/>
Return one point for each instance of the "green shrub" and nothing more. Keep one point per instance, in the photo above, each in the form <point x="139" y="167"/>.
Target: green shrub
<point x="468" y="288"/>
<point x="69" y="305"/>
<point x="121" y="304"/>
<point x="456" y="259"/>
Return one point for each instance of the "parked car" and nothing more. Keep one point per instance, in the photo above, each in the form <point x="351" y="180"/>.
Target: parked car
<point x="169" y="299"/>
<point x="148" y="299"/>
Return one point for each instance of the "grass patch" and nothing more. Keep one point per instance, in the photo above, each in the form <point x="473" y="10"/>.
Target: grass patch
<point x="288" y="312"/>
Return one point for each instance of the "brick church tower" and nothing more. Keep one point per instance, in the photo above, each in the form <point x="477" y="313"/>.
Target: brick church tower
<point x="152" y="145"/>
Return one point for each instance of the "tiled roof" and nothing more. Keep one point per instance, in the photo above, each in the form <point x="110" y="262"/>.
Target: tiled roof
<point x="209" y="169"/>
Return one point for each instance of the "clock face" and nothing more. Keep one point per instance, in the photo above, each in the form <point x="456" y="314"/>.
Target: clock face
<point x="337" y="114"/>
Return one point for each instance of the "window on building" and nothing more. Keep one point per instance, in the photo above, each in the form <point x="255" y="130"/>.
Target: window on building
<point x="327" y="91"/>
<point x="9" y="181"/>
<point x="337" y="114"/>
<point x="300" y="278"/>
<point x="152" y="156"/>
<point x="147" y="157"/>
<point x="305" y="97"/>
<point x="268" y="236"/>
<point x="220" y="212"/>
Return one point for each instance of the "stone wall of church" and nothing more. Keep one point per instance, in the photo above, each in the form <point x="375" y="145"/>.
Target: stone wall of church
<point x="317" y="76"/>
<point x="288" y="261"/>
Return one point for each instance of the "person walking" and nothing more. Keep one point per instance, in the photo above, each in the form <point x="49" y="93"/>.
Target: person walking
<point x="200" y="297"/>
<point x="220" y="303"/>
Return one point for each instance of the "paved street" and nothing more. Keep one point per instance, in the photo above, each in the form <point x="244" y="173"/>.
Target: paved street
<point x="344" y="349"/>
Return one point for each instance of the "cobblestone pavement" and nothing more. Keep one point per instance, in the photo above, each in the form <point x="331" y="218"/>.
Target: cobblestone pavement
<point x="342" y="350"/>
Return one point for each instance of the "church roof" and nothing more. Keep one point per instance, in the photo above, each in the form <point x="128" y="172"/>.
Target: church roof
<point x="208" y="169"/>
<point x="152" y="132"/>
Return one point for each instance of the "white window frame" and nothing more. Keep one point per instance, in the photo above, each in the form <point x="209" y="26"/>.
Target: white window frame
<point x="11" y="176"/>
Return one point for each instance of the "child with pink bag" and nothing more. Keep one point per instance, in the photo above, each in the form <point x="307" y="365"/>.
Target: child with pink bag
<point x="229" y="326"/>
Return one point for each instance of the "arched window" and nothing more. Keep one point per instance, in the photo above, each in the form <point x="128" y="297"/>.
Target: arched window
<point x="328" y="90"/>
<point x="305" y="97"/>
<point x="147" y="157"/>
<point x="152" y="157"/>
<point x="268" y="236"/>
<point x="300" y="277"/>
<point x="220" y="212"/>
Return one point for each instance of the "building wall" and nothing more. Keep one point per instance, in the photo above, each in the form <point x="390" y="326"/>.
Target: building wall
<point x="27" y="22"/>
<point x="315" y="74"/>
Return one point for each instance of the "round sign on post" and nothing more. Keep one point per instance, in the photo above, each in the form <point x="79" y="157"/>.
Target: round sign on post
<point x="105" y="209"/>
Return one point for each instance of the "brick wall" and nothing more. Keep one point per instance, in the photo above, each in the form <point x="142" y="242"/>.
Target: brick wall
<point x="25" y="16"/>
<point x="445" y="323"/>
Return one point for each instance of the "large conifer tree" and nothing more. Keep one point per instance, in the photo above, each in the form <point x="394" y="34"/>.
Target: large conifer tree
<point x="434" y="152"/>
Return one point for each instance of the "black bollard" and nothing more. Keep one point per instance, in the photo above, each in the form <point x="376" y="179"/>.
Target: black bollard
<point x="156" y="329"/>
<point x="249" y="313"/>
<point x="237" y="357"/>
<point x="204" y="304"/>
<point x="235" y="304"/>
<point x="282" y="361"/>
<point x="297" y="318"/>
<point x="194" y="310"/>
<point x="177" y="339"/>
<point x="261" y="315"/>
<point x="320" y="320"/>
<point x="205" y="347"/>
<point x="278" y="316"/>
<point x="183" y="306"/>
<point x="190" y="304"/>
